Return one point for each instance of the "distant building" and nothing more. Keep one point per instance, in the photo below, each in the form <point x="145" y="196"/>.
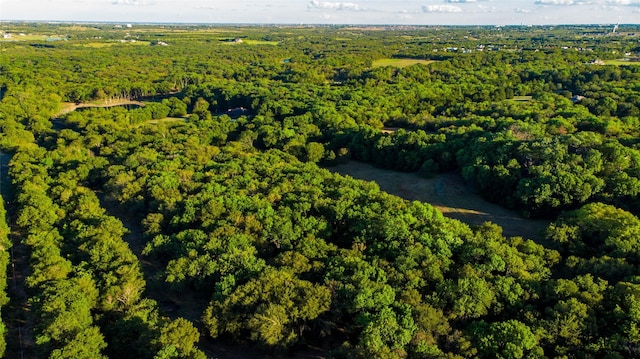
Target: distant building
<point x="577" y="98"/>
<point x="6" y="35"/>
<point x="237" y="112"/>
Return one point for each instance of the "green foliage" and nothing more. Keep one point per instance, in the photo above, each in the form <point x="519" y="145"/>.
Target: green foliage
<point x="86" y="344"/>
<point x="386" y="332"/>
<point x="600" y="264"/>
<point x="66" y="321"/>
<point x="510" y="339"/>
<point x="88" y="283"/>
<point x="314" y="151"/>
<point x="235" y="209"/>
<point x="275" y="308"/>
<point x="177" y="108"/>
<point x="178" y="339"/>
<point x="5" y="245"/>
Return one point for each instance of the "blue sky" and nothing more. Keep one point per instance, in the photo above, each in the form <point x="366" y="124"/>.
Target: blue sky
<point x="421" y="12"/>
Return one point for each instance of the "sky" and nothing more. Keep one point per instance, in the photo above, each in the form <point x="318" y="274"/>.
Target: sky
<point x="409" y="12"/>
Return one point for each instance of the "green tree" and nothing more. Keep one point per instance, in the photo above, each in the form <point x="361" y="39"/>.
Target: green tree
<point x="314" y="151"/>
<point x="178" y="337"/>
<point x="276" y="308"/>
<point x="510" y="339"/>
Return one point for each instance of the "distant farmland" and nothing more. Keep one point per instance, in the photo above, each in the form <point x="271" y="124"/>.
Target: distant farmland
<point x="399" y="62"/>
<point x="621" y="62"/>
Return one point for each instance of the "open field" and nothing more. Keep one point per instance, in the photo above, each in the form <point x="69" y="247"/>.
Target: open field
<point x="79" y="28"/>
<point x="97" y="45"/>
<point x="259" y="42"/>
<point x="29" y="37"/>
<point x="450" y="194"/>
<point x="400" y="62"/>
<point x="67" y="107"/>
<point x="621" y="62"/>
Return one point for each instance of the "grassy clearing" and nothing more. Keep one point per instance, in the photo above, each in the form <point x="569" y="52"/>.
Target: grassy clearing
<point x="450" y="194"/>
<point x="522" y="98"/>
<point x="67" y="107"/>
<point x="260" y="42"/>
<point x="79" y="28"/>
<point x="399" y="62"/>
<point x="98" y="45"/>
<point x="622" y="62"/>
<point x="27" y="37"/>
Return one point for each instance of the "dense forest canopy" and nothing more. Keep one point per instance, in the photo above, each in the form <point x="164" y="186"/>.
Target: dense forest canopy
<point x="170" y="192"/>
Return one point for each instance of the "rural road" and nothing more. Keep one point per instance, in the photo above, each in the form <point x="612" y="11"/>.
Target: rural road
<point x="5" y="181"/>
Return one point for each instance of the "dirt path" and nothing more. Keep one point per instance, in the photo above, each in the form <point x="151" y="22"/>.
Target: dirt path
<point x="17" y="315"/>
<point x="450" y="194"/>
<point x="187" y="303"/>
<point x="171" y="303"/>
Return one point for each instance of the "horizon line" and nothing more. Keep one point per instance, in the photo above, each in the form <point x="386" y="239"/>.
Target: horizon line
<point x="196" y="23"/>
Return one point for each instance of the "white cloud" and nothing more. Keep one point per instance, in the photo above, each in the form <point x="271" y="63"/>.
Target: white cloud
<point x="507" y="12"/>
<point x="562" y="2"/>
<point x="623" y="2"/>
<point x="205" y="7"/>
<point x="441" y="8"/>
<point x="328" y="5"/>
<point x="589" y="2"/>
<point x="132" y="2"/>
<point x="484" y="8"/>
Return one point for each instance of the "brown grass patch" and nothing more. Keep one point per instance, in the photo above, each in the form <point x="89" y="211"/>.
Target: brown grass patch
<point x="450" y="194"/>
<point x="399" y="62"/>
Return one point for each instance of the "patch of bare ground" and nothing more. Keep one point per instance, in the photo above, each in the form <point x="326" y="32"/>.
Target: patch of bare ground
<point x="450" y="194"/>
